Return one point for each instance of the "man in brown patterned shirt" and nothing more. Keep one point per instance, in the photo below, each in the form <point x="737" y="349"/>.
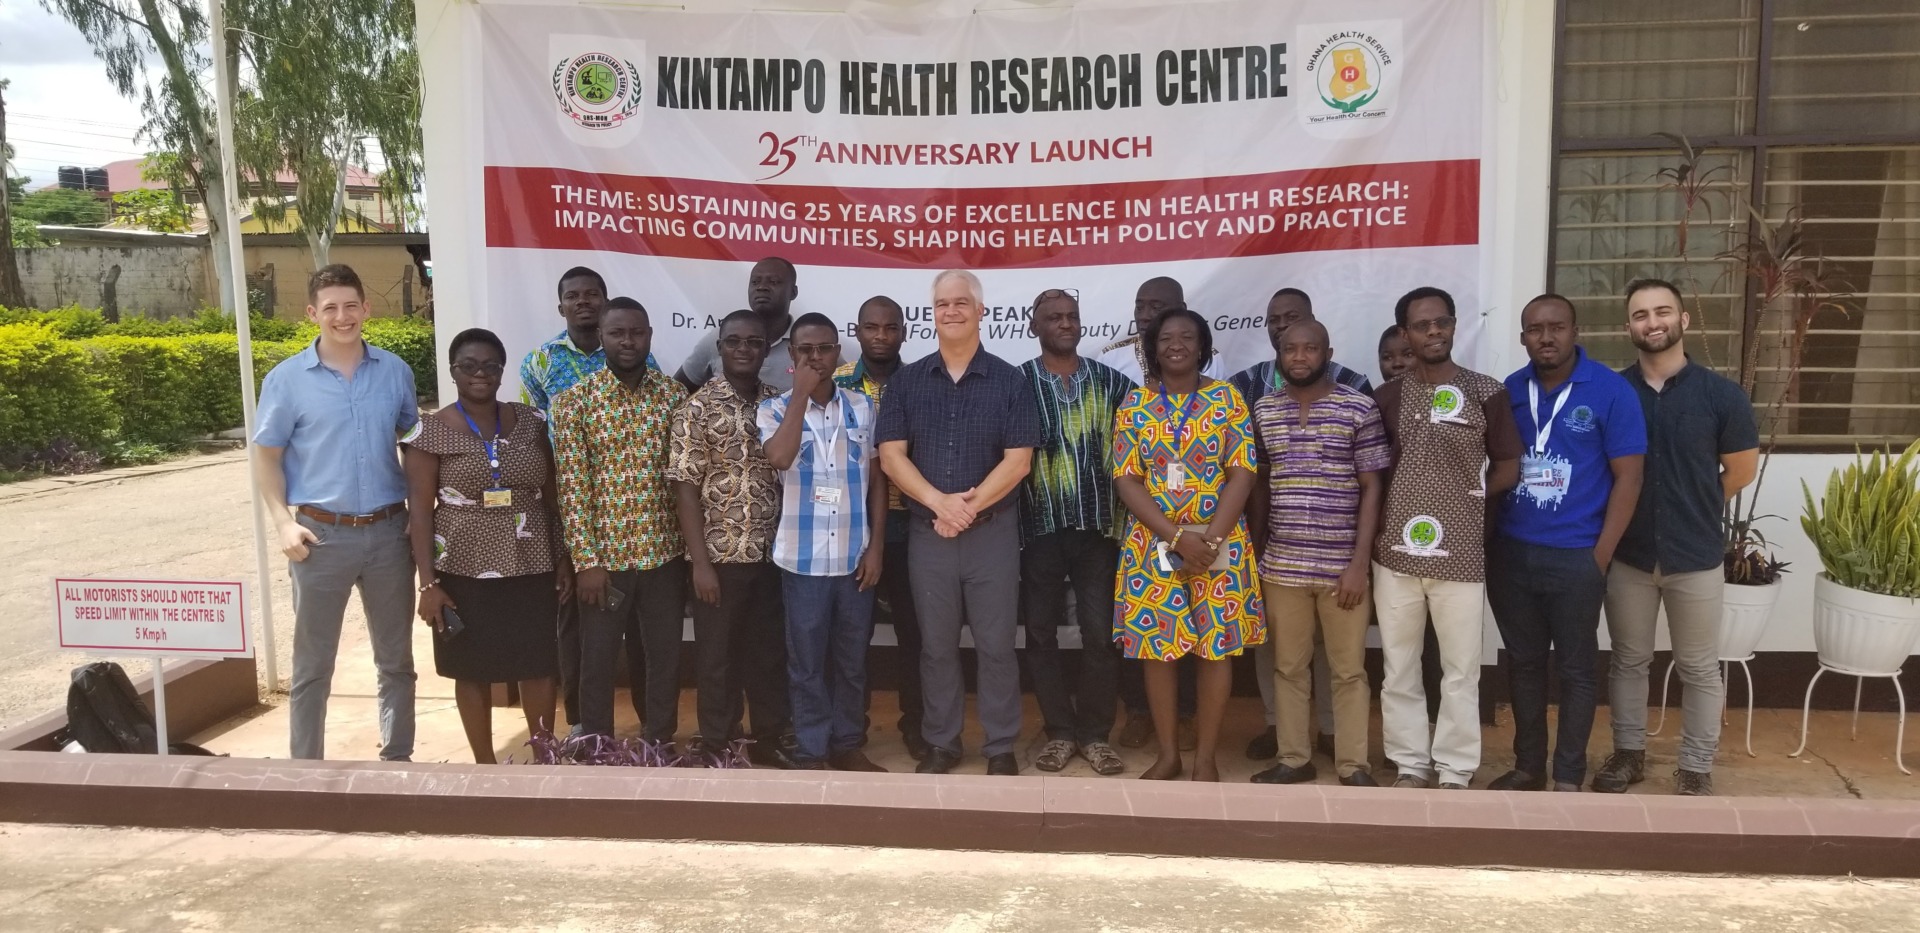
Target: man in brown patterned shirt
<point x="610" y="440"/>
<point x="1455" y="448"/>
<point x="729" y="503"/>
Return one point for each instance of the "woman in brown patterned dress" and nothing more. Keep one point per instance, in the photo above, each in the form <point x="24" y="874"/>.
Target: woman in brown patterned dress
<point x="486" y="540"/>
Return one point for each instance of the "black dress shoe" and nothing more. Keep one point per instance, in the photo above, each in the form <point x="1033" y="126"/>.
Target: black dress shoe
<point x="775" y="753"/>
<point x="1360" y="778"/>
<point x="1264" y="746"/>
<point x="917" y="747"/>
<point x="938" y="761"/>
<point x="1518" y="780"/>
<point x="1003" y="764"/>
<point x="1284" y="773"/>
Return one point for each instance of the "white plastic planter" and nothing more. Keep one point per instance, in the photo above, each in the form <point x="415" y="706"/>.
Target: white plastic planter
<point x="1743" y="623"/>
<point x="1862" y="633"/>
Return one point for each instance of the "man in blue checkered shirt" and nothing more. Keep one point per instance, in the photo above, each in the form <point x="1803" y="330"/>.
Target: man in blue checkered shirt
<point x="829" y="545"/>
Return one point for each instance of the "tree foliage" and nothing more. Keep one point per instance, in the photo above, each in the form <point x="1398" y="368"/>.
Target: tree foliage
<point x="127" y="36"/>
<point x="154" y="209"/>
<point x="327" y="76"/>
<point x="63" y="207"/>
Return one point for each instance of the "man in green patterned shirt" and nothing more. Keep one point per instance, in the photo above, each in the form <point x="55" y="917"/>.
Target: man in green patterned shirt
<point x="1072" y="528"/>
<point x="611" y="442"/>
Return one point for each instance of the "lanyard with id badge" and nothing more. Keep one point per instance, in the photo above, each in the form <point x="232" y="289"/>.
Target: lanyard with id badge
<point x="497" y="496"/>
<point x="1177" y="468"/>
<point x="827" y="488"/>
<point x="1543" y="477"/>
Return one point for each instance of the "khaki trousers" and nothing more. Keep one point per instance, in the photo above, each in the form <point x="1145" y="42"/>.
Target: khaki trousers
<point x="1294" y="615"/>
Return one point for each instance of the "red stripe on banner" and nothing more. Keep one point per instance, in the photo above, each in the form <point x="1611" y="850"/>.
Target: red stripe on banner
<point x="1346" y="207"/>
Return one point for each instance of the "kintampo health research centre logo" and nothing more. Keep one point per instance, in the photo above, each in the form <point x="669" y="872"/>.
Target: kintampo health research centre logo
<point x="596" y="90"/>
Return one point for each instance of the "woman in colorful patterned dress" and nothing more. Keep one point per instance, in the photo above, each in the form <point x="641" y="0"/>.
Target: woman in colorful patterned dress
<point x="486" y="541"/>
<point x="1184" y="466"/>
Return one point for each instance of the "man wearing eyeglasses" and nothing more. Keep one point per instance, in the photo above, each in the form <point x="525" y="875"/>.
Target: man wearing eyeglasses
<point x="829" y="546"/>
<point x="1071" y="527"/>
<point x="1454" y="446"/>
<point x="771" y="288"/>
<point x="728" y="499"/>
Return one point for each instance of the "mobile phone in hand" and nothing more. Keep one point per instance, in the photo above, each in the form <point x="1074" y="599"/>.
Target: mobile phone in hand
<point x="450" y="624"/>
<point x="614" y="597"/>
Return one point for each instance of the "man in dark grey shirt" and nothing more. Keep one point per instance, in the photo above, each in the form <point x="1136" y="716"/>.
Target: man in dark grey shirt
<point x="956" y="432"/>
<point x="1702" y="447"/>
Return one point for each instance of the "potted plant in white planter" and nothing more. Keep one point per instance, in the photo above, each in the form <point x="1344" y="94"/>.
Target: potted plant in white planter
<point x="1866" y="603"/>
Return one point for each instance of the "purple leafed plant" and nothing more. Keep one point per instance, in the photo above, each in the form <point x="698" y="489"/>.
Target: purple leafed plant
<point x="549" y="749"/>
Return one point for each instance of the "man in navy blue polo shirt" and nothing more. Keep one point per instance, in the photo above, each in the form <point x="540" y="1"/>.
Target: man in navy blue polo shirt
<point x="327" y="454"/>
<point x="956" y="434"/>
<point x="1702" y="447"/>
<point x="1580" y="478"/>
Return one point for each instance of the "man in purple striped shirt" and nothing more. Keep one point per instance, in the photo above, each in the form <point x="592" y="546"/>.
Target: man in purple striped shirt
<point x="1322" y="449"/>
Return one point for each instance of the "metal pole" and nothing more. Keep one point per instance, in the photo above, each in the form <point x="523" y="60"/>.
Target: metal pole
<point x="223" y="80"/>
<point x="160" y="703"/>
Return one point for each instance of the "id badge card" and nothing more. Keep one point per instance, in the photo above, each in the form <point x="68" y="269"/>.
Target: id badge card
<point x="1177" y="476"/>
<point x="826" y="495"/>
<point x="497" y="498"/>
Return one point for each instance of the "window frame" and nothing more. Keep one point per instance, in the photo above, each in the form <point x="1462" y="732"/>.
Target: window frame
<point x="1756" y="145"/>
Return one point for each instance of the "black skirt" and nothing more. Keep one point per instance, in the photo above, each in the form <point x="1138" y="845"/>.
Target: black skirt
<point x="509" y="634"/>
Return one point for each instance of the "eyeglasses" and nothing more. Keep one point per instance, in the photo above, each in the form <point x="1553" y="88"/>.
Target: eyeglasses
<point x="1052" y="293"/>
<point x="483" y="368"/>
<point x="815" y="349"/>
<point x="743" y="343"/>
<point x="1428" y="327"/>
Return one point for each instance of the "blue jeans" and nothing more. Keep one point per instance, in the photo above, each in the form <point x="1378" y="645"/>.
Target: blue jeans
<point x="829" y="625"/>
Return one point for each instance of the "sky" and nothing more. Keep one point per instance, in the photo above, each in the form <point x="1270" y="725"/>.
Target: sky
<point x="60" y="108"/>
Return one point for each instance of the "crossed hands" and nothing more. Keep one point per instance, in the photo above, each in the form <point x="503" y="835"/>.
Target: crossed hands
<point x="954" y="513"/>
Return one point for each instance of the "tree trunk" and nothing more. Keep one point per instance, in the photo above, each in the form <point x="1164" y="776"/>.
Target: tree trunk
<point x="13" y="294"/>
<point x="205" y="146"/>
<point x="320" y="230"/>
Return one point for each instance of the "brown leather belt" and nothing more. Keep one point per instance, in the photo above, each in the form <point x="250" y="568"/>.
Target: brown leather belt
<point x="353" y="521"/>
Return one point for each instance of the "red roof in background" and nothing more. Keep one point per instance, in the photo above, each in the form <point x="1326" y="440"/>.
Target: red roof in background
<point x="124" y="175"/>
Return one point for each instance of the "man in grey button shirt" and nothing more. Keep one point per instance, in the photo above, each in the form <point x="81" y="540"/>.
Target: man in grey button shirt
<point x="771" y="289"/>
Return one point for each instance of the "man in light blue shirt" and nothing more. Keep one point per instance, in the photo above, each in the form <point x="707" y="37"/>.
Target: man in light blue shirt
<point x="829" y="545"/>
<point x="326" y="454"/>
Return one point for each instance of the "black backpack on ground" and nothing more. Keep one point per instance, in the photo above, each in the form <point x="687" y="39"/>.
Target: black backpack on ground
<point x="104" y="714"/>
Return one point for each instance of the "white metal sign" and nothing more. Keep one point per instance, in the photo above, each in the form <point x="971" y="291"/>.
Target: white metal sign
<point x="164" y="618"/>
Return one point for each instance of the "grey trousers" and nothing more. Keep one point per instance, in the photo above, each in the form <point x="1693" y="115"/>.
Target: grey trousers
<point x="975" y="579"/>
<point x="1693" y="602"/>
<point x="379" y="560"/>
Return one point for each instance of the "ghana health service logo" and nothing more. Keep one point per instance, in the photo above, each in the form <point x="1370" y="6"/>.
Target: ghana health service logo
<point x="1354" y="73"/>
<point x="596" y="90"/>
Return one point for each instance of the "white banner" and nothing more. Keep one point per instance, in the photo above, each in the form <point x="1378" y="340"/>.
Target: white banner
<point x="1239" y="147"/>
<point x="167" y="618"/>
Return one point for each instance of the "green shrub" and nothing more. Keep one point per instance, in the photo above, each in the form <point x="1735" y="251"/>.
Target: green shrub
<point x="50" y="390"/>
<point x="216" y="374"/>
<point x="410" y="339"/>
<point x="72" y="321"/>
<point x="150" y="379"/>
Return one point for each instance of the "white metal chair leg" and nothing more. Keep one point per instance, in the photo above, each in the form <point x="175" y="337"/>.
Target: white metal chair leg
<point x="1858" y="682"/>
<point x="1749" y="673"/>
<point x="1806" y="712"/>
<point x="1900" y="737"/>
<point x="1666" y="687"/>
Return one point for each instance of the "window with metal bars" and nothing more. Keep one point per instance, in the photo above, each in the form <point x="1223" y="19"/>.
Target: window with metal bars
<point x="1701" y="143"/>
